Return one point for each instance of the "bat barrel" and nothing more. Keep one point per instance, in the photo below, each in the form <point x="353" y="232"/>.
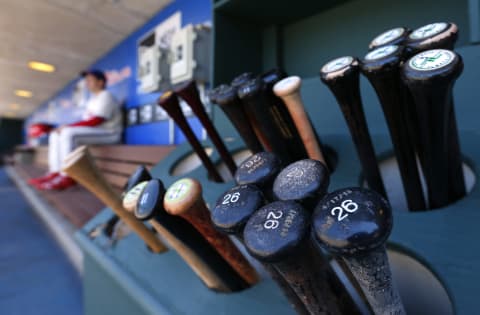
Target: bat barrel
<point x="230" y="214"/>
<point x="260" y="170"/>
<point x="305" y="181"/>
<point x="354" y="223"/>
<point x="278" y="234"/>
<point x="80" y="166"/>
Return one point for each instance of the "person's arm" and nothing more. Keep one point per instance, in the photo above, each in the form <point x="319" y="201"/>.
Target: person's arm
<point x="90" y="122"/>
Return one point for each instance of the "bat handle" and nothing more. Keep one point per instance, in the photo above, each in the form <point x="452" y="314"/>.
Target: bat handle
<point x="202" y="270"/>
<point x="199" y="217"/>
<point x="310" y="281"/>
<point x="198" y="148"/>
<point x="191" y="95"/>
<point x="373" y="273"/>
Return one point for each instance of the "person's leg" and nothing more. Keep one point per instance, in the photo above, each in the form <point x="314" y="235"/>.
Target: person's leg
<point x="53" y="161"/>
<point x="54" y="152"/>
<point x="72" y="137"/>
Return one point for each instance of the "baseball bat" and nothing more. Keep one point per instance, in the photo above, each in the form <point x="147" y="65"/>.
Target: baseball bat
<point x="430" y="76"/>
<point x="443" y="36"/>
<point x="227" y="99"/>
<point x="231" y="213"/>
<point x="276" y="127"/>
<point x="184" y="198"/>
<point x="354" y="223"/>
<point x="238" y="81"/>
<point x="260" y="170"/>
<point x="189" y="92"/>
<point x="197" y="253"/>
<point x="82" y="169"/>
<point x="305" y="181"/>
<point x="130" y="198"/>
<point x="341" y="75"/>
<point x="394" y="36"/>
<point x="169" y="102"/>
<point x="288" y="90"/>
<point x="381" y="66"/>
<point x="278" y="234"/>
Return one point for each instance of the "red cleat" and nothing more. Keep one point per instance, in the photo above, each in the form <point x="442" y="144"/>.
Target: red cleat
<point x="39" y="180"/>
<point x="60" y="182"/>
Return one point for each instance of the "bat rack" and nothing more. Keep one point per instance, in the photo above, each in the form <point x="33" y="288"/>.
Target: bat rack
<point x="435" y="263"/>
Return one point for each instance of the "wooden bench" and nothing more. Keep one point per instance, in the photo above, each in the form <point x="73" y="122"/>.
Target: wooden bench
<point x="116" y="163"/>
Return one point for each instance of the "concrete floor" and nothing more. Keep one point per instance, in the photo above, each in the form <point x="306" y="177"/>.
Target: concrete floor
<point x="36" y="278"/>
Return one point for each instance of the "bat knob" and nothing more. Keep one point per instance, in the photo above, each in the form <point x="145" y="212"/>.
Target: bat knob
<point x="141" y="174"/>
<point x="259" y="169"/>
<point x="250" y="89"/>
<point x="150" y="202"/>
<point x="431" y="36"/>
<point x="234" y="208"/>
<point x="276" y="230"/>
<point x="187" y="89"/>
<point x="287" y="86"/>
<point x="130" y="199"/>
<point x="434" y="66"/>
<point x="226" y="95"/>
<point x="169" y="102"/>
<point x="302" y="180"/>
<point x="271" y="77"/>
<point x="241" y="79"/>
<point x="340" y="68"/>
<point x="182" y="195"/>
<point x="352" y="221"/>
<point x="382" y="59"/>
<point x="394" y="36"/>
<point x="212" y="95"/>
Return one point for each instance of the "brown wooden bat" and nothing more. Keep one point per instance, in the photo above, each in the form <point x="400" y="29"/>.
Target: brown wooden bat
<point x="184" y="198"/>
<point x="169" y="102"/>
<point x="288" y="90"/>
<point x="189" y="93"/>
<point x="80" y="166"/>
<point x="198" y="254"/>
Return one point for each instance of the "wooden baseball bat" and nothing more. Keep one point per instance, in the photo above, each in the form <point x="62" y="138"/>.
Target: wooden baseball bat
<point x="184" y="198"/>
<point x="288" y="90"/>
<point x="194" y="249"/>
<point x="169" y="102"/>
<point x="81" y="167"/>
<point x="130" y="198"/>
<point x="226" y="98"/>
<point x="189" y="92"/>
<point x="341" y="75"/>
<point x="381" y="66"/>
<point x="443" y="35"/>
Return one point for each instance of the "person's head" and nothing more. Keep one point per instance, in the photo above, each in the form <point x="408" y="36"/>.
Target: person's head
<point x="95" y="79"/>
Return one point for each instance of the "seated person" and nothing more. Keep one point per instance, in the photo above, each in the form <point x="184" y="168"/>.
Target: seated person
<point x="101" y="124"/>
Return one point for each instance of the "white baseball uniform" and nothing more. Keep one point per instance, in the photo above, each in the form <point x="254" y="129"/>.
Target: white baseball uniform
<point x="109" y="131"/>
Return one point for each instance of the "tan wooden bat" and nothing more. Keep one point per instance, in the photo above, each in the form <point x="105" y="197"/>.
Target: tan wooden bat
<point x="80" y="166"/>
